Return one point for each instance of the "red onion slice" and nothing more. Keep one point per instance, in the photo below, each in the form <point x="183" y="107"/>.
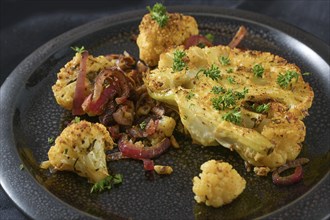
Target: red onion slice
<point x="197" y="40"/>
<point x="129" y="149"/>
<point x="80" y="93"/>
<point x="238" y="37"/>
<point x="290" y="179"/>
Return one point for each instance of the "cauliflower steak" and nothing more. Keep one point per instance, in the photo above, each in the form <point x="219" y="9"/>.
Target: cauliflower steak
<point x="249" y="101"/>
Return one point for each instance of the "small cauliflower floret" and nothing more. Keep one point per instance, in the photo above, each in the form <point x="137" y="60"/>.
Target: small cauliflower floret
<point x="218" y="184"/>
<point x="80" y="148"/>
<point x="154" y="40"/>
<point x="65" y="85"/>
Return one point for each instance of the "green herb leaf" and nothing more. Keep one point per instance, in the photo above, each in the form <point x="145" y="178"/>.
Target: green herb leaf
<point x="231" y="79"/>
<point x="178" y="62"/>
<point x="159" y="14"/>
<point x="76" y="119"/>
<point x="79" y="49"/>
<point x="225" y="61"/>
<point x="209" y="37"/>
<point x="233" y="116"/>
<point x="263" y="108"/>
<point x="143" y="125"/>
<point x="213" y="72"/>
<point x="217" y="89"/>
<point x="306" y="73"/>
<point x="227" y="99"/>
<point x="50" y="140"/>
<point x="229" y="70"/>
<point x="107" y="183"/>
<point x="258" y="70"/>
<point x="284" y="80"/>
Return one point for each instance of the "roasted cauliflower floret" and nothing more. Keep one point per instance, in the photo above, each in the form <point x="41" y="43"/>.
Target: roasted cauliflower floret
<point x="65" y="85"/>
<point x="249" y="101"/>
<point x="80" y="148"/>
<point x="154" y="40"/>
<point x="218" y="184"/>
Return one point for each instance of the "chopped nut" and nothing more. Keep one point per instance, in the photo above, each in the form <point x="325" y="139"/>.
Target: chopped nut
<point x="163" y="169"/>
<point x="174" y="143"/>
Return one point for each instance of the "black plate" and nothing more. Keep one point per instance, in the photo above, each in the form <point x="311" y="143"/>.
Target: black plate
<point x="29" y="115"/>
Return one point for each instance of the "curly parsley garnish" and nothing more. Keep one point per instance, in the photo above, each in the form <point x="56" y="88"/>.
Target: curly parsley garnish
<point x="213" y="72"/>
<point x="233" y="116"/>
<point x="178" y="62"/>
<point x="263" y="108"/>
<point x="79" y="49"/>
<point x="231" y="79"/>
<point x="225" y="61"/>
<point x="284" y="80"/>
<point x="227" y="99"/>
<point x="217" y="89"/>
<point x="159" y="14"/>
<point x="209" y="37"/>
<point x="107" y="183"/>
<point x="50" y="140"/>
<point x="143" y="125"/>
<point x="258" y="70"/>
<point x="230" y="70"/>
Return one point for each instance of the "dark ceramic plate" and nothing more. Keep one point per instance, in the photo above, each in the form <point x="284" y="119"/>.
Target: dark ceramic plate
<point x="29" y="115"/>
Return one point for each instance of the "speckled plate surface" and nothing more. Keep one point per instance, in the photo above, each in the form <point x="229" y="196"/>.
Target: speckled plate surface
<point x="29" y="115"/>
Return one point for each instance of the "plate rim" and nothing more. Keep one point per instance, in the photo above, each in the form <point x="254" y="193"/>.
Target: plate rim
<point x="37" y="57"/>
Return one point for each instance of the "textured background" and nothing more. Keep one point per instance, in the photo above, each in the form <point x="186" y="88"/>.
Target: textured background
<point x="28" y="24"/>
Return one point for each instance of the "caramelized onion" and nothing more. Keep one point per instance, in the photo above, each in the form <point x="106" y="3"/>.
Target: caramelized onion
<point x="238" y="37"/>
<point x="80" y="90"/>
<point x="290" y="179"/>
<point x="130" y="149"/>
<point x="197" y="40"/>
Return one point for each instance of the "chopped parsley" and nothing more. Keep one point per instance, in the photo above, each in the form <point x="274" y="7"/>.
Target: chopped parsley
<point x="225" y="61"/>
<point x="190" y="95"/>
<point x="233" y="116"/>
<point x="50" y="140"/>
<point x="227" y="99"/>
<point x="79" y="49"/>
<point x="284" y="80"/>
<point x="159" y="14"/>
<point x="258" y="70"/>
<point x="217" y="89"/>
<point x="306" y="74"/>
<point x="143" y="125"/>
<point x="76" y="119"/>
<point x="107" y="183"/>
<point x="209" y="37"/>
<point x="230" y="70"/>
<point x="261" y="108"/>
<point x="213" y="72"/>
<point x="178" y="62"/>
<point x="231" y="79"/>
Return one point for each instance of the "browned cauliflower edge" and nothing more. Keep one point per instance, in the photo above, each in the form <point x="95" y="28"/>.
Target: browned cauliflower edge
<point x="80" y="148"/>
<point x="218" y="184"/>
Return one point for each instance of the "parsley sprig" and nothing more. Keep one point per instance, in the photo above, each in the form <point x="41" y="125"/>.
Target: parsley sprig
<point x="258" y="70"/>
<point x="262" y="108"/>
<point x="225" y="61"/>
<point x="79" y="49"/>
<point x="284" y="80"/>
<point x="178" y="62"/>
<point x="227" y="98"/>
<point x="107" y="183"/>
<point x="233" y="116"/>
<point x="213" y="72"/>
<point x="159" y="14"/>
